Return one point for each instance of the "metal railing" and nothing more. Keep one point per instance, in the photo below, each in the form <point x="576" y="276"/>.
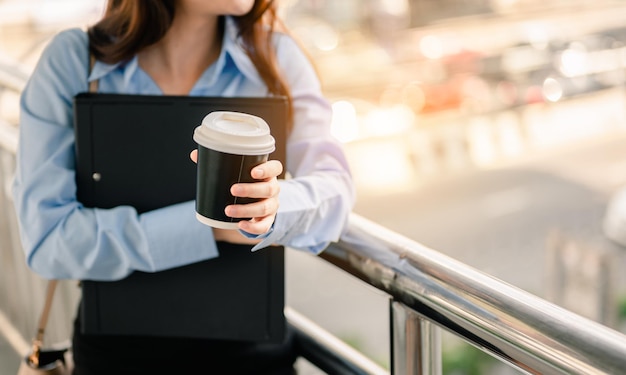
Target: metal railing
<point x="428" y="291"/>
<point x="428" y="287"/>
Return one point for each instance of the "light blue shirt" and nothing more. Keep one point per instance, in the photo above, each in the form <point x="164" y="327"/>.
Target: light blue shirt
<point x="63" y="239"/>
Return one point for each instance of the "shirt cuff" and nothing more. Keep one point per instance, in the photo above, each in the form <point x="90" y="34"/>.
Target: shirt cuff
<point x="263" y="236"/>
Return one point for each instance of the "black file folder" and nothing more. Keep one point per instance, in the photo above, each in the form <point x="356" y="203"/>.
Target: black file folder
<point x="134" y="150"/>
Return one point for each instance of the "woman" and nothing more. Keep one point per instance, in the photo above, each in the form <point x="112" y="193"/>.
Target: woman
<point x="174" y="47"/>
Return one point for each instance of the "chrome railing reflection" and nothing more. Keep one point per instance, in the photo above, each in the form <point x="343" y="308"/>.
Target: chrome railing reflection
<point x="521" y="329"/>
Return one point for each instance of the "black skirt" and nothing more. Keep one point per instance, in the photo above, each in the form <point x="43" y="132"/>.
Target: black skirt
<point x="121" y="355"/>
<point x="137" y="355"/>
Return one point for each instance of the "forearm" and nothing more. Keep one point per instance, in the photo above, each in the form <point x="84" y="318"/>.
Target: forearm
<point x="313" y="211"/>
<point x="108" y="244"/>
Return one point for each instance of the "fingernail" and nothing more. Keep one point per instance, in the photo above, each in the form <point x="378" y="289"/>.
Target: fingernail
<point x="258" y="173"/>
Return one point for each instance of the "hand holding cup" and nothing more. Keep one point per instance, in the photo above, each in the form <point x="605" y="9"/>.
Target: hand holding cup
<point x="237" y="185"/>
<point x="262" y="212"/>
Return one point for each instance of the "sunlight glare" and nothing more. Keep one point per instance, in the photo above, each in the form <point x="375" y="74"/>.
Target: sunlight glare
<point x="344" y="125"/>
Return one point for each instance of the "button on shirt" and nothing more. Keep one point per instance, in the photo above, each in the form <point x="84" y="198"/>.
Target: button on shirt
<point x="65" y="240"/>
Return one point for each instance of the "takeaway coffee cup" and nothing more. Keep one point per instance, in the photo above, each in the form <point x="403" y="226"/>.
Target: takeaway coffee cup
<point x="230" y="144"/>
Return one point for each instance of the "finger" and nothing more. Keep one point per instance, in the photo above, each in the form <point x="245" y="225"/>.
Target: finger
<point x="194" y="155"/>
<point x="265" y="189"/>
<point x="269" y="169"/>
<point x="261" y="208"/>
<point x="258" y="225"/>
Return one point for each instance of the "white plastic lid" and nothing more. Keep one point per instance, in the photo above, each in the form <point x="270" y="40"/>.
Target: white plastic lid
<point x="234" y="133"/>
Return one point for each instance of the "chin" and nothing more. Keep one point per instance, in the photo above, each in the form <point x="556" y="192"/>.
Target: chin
<point x="240" y="7"/>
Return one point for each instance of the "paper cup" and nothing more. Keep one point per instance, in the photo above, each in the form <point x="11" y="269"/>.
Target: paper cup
<point x="230" y="144"/>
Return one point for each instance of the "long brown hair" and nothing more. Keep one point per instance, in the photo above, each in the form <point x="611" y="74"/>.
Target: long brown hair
<point x="130" y="25"/>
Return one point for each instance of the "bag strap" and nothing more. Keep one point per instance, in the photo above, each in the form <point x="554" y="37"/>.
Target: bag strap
<point x="33" y="358"/>
<point x="93" y="85"/>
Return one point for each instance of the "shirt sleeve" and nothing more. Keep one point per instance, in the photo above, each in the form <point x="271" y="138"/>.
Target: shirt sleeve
<point x="316" y="202"/>
<point x="61" y="238"/>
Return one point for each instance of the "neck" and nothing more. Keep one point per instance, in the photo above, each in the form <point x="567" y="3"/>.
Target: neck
<point x="188" y="48"/>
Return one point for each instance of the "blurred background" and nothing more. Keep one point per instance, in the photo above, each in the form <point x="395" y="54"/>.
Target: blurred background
<point x="492" y="131"/>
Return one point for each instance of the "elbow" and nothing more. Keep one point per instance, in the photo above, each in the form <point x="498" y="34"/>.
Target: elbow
<point x="54" y="256"/>
<point x="40" y="263"/>
<point x="40" y="252"/>
<point x="337" y="222"/>
<point x="344" y="204"/>
<point x="60" y="263"/>
<point x="45" y="258"/>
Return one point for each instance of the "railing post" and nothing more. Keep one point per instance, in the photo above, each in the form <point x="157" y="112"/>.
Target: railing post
<point x="415" y="343"/>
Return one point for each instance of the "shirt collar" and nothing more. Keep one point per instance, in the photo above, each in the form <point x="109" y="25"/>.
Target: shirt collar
<point x="232" y="46"/>
<point x="233" y="50"/>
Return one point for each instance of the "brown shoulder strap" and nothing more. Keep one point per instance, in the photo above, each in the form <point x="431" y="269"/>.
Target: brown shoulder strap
<point x="93" y="85"/>
<point x="43" y="321"/>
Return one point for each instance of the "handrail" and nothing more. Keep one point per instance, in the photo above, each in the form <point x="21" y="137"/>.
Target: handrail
<point x="526" y="331"/>
<point x="326" y="351"/>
